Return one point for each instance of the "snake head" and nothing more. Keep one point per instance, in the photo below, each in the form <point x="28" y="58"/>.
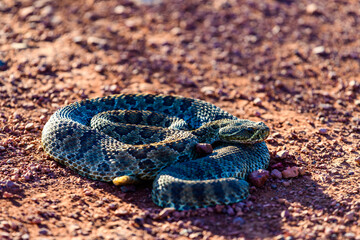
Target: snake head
<point x="243" y="131"/>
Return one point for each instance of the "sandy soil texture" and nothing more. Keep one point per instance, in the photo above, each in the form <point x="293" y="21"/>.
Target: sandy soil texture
<point x="291" y="64"/>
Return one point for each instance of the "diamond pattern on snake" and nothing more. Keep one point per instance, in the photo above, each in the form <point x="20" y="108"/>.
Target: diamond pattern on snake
<point x="128" y="138"/>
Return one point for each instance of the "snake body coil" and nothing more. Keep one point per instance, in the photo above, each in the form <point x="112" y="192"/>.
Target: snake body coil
<point x="131" y="137"/>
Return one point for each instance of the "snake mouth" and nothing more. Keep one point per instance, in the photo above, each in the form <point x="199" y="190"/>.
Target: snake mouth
<point x="260" y="135"/>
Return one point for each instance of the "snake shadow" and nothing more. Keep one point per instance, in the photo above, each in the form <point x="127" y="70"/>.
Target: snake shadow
<point x="263" y="214"/>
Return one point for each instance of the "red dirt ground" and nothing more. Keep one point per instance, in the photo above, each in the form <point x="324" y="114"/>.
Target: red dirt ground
<point x="291" y="64"/>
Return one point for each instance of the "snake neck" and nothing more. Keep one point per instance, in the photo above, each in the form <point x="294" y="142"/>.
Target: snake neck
<point x="209" y="132"/>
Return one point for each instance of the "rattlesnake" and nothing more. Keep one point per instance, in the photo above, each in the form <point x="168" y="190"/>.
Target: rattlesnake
<point x="131" y="137"/>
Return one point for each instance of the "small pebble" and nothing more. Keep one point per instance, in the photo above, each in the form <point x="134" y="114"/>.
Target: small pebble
<point x="311" y="8"/>
<point x="302" y="171"/>
<point x="121" y="212"/>
<point x="119" y="9"/>
<point x="257" y="102"/>
<point x="323" y="131"/>
<point x="77" y="39"/>
<point x="44" y="231"/>
<point x="284" y="214"/>
<point x="290" y="172"/>
<point x="19" y="46"/>
<point x="165" y="213"/>
<point x="282" y="154"/>
<point x="230" y="211"/>
<point x="208" y="91"/>
<point x="349" y="235"/>
<point x="47" y="11"/>
<point x="219" y="208"/>
<point x="319" y="50"/>
<point x="138" y="222"/>
<point x="357" y="160"/>
<point x="27" y="11"/>
<point x="325" y="106"/>
<point x="238" y="221"/>
<point x="113" y="206"/>
<point x="3" y="65"/>
<point x="96" y="41"/>
<point x="99" y="68"/>
<point x="276" y="174"/>
<point x="29" y="126"/>
<point x="286" y="183"/>
<point x="277" y="165"/>
<point x="259" y="177"/>
<point x="350" y="215"/>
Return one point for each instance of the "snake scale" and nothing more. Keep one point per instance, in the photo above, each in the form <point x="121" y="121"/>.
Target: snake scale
<point x="132" y="137"/>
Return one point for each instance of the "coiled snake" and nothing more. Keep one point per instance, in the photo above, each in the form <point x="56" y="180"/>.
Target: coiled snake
<point x="131" y="137"/>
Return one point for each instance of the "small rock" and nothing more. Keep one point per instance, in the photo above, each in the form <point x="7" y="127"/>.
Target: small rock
<point x="113" y="206"/>
<point x="30" y="146"/>
<point x="277" y="165"/>
<point x="290" y="172"/>
<point x="230" y="211"/>
<point x="332" y="75"/>
<point x="99" y="68"/>
<point x="349" y="235"/>
<point x="350" y="215"/>
<point x="119" y="9"/>
<point x="238" y="221"/>
<point x="357" y="102"/>
<point x="47" y="11"/>
<point x="96" y="41"/>
<point x="27" y="11"/>
<point x="78" y="39"/>
<point x="25" y="236"/>
<point x="138" y="222"/>
<point x="257" y="102"/>
<point x="204" y="148"/>
<point x="357" y="160"/>
<point x="302" y="171"/>
<point x="121" y="212"/>
<point x="259" y="177"/>
<point x="195" y="235"/>
<point x="5" y="235"/>
<point x="319" y="50"/>
<point x="29" y="126"/>
<point x="286" y="183"/>
<point x="208" y="90"/>
<point x="19" y="46"/>
<point x="311" y="8"/>
<point x="3" y="65"/>
<point x="276" y="174"/>
<point x="325" y="106"/>
<point x="284" y="214"/>
<point x="165" y="213"/>
<point x="219" y="208"/>
<point x="323" y="131"/>
<point x="257" y="114"/>
<point x="176" y="31"/>
<point x="282" y="154"/>
<point x="44" y="231"/>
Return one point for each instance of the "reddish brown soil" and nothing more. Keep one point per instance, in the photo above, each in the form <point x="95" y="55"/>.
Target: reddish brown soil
<point x="291" y="64"/>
